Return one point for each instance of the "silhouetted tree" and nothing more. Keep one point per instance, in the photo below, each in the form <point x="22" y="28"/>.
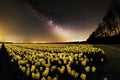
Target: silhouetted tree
<point x="108" y="30"/>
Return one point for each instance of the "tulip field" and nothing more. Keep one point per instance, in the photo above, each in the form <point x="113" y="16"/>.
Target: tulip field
<point x="56" y="61"/>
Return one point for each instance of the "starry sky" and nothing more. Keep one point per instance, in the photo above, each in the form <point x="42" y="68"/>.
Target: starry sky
<point x="50" y="20"/>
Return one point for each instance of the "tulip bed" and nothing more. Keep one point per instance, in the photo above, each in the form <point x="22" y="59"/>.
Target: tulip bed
<point x="56" y="61"/>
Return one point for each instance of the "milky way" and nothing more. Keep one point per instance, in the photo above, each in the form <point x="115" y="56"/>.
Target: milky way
<point x="23" y="21"/>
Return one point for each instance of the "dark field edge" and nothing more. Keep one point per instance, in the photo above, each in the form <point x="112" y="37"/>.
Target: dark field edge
<point x="111" y="69"/>
<point x="8" y="70"/>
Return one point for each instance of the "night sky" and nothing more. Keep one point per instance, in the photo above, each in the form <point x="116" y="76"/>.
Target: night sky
<point x="50" y="20"/>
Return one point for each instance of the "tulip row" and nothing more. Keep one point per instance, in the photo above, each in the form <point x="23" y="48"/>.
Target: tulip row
<point x="51" y="61"/>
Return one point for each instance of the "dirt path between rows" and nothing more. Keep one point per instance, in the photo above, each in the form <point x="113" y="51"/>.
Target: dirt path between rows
<point x="112" y="67"/>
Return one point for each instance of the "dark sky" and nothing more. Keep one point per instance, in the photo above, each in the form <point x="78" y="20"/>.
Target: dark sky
<point x="50" y="20"/>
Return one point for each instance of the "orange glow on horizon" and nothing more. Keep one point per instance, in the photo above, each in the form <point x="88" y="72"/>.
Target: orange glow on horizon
<point x="1" y="32"/>
<point x="61" y="35"/>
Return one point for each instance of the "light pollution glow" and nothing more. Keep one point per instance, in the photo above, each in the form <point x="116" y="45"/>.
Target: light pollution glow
<point x="18" y="33"/>
<point x="63" y="35"/>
